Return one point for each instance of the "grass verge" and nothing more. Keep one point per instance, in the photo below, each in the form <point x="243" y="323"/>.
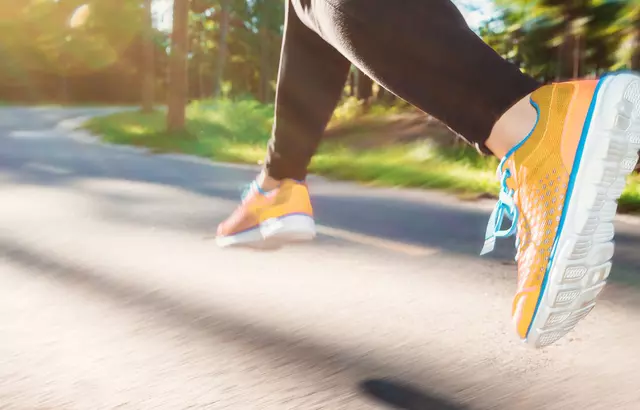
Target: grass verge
<point x="238" y="131"/>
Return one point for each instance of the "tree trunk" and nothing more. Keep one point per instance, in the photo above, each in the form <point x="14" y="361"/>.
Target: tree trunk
<point x="568" y="59"/>
<point x="386" y="97"/>
<point x="351" y="80"/>
<point x="177" y="93"/>
<point x="565" y="54"/>
<point x="201" y="84"/>
<point x="516" y="39"/>
<point x="222" y="47"/>
<point x="64" y="87"/>
<point x="635" y="56"/>
<point x="364" y="90"/>
<point x="148" y="82"/>
<point x="577" y="55"/>
<point x="560" y="64"/>
<point x="635" y="59"/>
<point x="265" y="71"/>
<point x="364" y="87"/>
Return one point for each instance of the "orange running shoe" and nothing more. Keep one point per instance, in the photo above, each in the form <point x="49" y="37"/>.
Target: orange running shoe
<point x="560" y="187"/>
<point x="267" y="220"/>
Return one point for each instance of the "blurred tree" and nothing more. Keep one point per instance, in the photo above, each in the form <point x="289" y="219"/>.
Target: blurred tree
<point x="235" y="45"/>
<point x="223" y="48"/>
<point x="364" y="87"/>
<point x="178" y="88"/>
<point x="569" y="38"/>
<point x="45" y="55"/>
<point x="148" y="84"/>
<point x="629" y="22"/>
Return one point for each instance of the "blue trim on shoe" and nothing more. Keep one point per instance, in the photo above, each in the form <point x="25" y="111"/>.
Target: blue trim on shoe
<point x="254" y="184"/>
<point x="572" y="180"/>
<point x="257" y="187"/>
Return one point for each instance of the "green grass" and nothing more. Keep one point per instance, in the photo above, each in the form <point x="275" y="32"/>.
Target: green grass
<point x="238" y="131"/>
<point x="630" y="199"/>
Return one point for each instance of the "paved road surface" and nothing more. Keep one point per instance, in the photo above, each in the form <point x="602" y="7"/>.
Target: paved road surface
<point x="112" y="295"/>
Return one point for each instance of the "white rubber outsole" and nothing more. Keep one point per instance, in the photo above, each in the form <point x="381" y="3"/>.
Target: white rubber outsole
<point x="582" y="259"/>
<point x="273" y="233"/>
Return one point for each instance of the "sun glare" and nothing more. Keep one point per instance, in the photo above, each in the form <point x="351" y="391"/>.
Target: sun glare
<point x="79" y="16"/>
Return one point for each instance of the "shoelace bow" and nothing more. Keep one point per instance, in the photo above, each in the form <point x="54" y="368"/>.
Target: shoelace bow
<point x="504" y="207"/>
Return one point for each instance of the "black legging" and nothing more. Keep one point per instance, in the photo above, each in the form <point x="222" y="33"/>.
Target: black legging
<point x="421" y="50"/>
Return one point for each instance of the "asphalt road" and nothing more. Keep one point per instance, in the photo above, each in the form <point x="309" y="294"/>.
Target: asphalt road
<point x="113" y="295"/>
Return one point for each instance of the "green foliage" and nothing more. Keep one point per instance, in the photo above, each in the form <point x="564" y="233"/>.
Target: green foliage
<point x="238" y="131"/>
<point x="552" y="39"/>
<point x="43" y="58"/>
<point x="245" y="119"/>
<point x="350" y="108"/>
<point x="253" y="42"/>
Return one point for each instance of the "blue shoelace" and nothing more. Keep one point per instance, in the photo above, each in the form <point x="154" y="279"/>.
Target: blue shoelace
<point x="253" y="186"/>
<point x="504" y="207"/>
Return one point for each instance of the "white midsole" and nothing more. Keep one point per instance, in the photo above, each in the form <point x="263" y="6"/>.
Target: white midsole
<point x="290" y="228"/>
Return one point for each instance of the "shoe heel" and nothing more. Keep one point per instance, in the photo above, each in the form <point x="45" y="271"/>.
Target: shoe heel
<point x="288" y="229"/>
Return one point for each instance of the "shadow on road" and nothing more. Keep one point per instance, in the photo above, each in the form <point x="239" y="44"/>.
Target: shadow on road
<point x="217" y="322"/>
<point x="404" y="397"/>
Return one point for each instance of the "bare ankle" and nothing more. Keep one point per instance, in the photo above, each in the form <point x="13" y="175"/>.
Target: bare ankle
<point x="266" y="182"/>
<point x="512" y="127"/>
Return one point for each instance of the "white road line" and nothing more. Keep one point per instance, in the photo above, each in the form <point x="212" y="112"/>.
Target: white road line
<point x="47" y="168"/>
